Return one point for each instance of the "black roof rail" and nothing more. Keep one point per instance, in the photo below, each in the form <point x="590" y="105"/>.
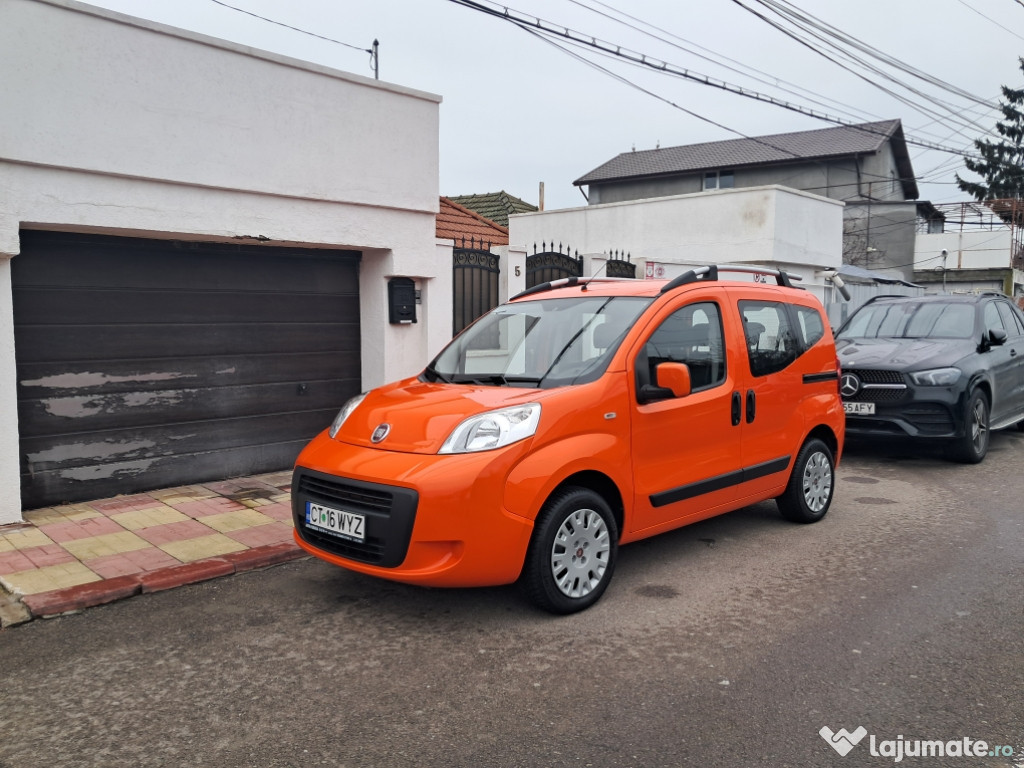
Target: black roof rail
<point x="710" y="272"/>
<point x="568" y="282"/>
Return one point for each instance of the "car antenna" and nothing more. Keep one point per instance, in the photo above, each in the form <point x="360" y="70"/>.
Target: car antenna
<point x="594" y="277"/>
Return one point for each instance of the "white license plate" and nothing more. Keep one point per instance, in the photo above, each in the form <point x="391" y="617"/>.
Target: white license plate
<point x="348" y="525"/>
<point x="859" y="409"/>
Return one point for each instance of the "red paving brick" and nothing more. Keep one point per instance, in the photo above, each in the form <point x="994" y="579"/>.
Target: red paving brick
<point x="51" y="554"/>
<point x="164" y="534"/>
<point x="280" y="511"/>
<point x="73" y="530"/>
<point x="14" y="561"/>
<point x="139" y="561"/>
<point x="262" y="535"/>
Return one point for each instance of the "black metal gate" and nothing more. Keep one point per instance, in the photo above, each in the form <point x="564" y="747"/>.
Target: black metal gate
<point x="620" y="265"/>
<point x="475" y="272"/>
<point x="550" y="264"/>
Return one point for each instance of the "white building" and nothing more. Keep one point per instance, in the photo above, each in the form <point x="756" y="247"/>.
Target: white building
<point x="767" y="226"/>
<point x="196" y="243"/>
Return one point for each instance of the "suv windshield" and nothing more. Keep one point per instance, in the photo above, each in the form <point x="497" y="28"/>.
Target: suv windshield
<point x="911" y="320"/>
<point x="545" y="343"/>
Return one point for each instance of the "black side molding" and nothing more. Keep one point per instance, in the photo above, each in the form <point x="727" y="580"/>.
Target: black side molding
<point x="814" y="378"/>
<point x="712" y="484"/>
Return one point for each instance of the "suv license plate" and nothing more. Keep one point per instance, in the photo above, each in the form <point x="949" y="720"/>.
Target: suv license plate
<point x="859" y="409"/>
<point x="347" y="525"/>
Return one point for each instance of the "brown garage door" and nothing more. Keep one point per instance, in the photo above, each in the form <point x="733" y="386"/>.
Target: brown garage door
<point x="144" y="364"/>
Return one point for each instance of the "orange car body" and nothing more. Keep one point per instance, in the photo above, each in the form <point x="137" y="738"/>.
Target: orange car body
<point x="467" y="519"/>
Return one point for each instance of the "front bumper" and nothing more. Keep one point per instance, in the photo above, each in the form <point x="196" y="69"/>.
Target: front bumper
<point x="913" y="411"/>
<point x="430" y="520"/>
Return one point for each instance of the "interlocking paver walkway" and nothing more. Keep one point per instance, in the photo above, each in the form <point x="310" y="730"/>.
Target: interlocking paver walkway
<point x="71" y="556"/>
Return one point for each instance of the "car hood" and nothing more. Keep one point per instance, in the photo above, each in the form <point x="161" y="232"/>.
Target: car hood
<point x="902" y="354"/>
<point x="422" y="414"/>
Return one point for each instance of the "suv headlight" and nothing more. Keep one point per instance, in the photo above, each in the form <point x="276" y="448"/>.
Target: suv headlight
<point x="936" y="377"/>
<point x="494" y="429"/>
<point x="344" y="413"/>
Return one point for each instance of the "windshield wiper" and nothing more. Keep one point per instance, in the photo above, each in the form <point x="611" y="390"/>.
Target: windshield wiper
<point x="497" y="379"/>
<point x="434" y="375"/>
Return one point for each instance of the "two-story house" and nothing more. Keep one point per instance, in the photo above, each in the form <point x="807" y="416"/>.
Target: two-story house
<point x="866" y="166"/>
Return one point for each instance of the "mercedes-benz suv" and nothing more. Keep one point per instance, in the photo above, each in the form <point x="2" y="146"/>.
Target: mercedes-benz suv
<point x="947" y="368"/>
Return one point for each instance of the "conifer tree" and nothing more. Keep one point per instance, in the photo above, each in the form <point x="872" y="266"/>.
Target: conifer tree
<point x="1001" y="163"/>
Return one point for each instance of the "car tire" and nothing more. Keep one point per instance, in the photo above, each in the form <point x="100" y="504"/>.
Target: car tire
<point x="572" y="554"/>
<point x="808" y="495"/>
<point x="973" y="445"/>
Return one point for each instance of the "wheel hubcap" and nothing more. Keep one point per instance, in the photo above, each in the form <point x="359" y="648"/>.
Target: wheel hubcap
<point x="579" y="555"/>
<point x="817" y="483"/>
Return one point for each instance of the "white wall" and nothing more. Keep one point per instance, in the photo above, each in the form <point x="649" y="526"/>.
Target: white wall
<point x="114" y="125"/>
<point x="770" y="226"/>
<point x="991" y="249"/>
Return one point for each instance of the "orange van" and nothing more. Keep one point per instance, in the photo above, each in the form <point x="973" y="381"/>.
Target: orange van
<point x="581" y="415"/>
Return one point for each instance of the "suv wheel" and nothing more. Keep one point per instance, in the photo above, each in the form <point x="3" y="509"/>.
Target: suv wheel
<point x="972" y="447"/>
<point x="572" y="553"/>
<point x="809" y="493"/>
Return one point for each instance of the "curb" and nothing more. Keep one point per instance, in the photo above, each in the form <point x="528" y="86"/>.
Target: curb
<point x="73" y="599"/>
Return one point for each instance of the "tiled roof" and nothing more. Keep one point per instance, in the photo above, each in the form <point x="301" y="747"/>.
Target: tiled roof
<point x="458" y="223"/>
<point x="822" y="144"/>
<point x="495" y="206"/>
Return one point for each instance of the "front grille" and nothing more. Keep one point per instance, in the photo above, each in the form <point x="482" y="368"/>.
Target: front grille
<point x="389" y="512"/>
<point x="871" y="376"/>
<point x="345" y="493"/>
<point x="880" y="395"/>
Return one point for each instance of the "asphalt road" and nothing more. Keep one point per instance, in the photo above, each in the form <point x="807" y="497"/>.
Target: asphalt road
<point x="728" y="643"/>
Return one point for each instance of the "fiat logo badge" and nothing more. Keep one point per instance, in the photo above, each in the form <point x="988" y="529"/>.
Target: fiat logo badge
<point x="380" y="433"/>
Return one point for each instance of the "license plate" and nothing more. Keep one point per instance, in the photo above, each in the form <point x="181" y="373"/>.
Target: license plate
<point x="348" y="525"/>
<point x="859" y="409"/>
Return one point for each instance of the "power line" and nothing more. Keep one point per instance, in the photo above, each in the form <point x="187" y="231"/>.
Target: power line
<point x="372" y="51"/>
<point x="546" y="29"/>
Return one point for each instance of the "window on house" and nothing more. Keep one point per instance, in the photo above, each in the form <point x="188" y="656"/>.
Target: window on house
<point x="719" y="180"/>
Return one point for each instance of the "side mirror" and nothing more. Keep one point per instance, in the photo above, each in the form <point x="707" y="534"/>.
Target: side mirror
<point x="995" y="337"/>
<point x="675" y="377"/>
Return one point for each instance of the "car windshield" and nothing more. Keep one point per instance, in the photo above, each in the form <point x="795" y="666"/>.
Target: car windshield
<point x="911" y="320"/>
<point x="543" y="343"/>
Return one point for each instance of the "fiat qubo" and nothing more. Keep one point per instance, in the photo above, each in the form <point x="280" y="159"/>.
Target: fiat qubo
<point x="582" y="415"/>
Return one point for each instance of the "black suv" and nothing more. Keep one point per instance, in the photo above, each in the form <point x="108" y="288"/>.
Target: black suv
<point x="944" y="368"/>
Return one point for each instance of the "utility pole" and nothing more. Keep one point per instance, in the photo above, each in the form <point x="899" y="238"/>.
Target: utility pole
<point x="376" y="60"/>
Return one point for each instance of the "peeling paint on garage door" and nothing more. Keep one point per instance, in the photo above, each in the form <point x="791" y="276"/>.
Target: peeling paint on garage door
<point x="144" y="364"/>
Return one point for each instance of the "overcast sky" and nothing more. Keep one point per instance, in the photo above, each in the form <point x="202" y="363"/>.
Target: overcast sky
<point x="518" y="110"/>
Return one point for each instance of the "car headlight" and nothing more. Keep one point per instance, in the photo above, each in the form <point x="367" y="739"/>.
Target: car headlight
<point x="936" y="377"/>
<point x="344" y="413"/>
<point x="494" y="429"/>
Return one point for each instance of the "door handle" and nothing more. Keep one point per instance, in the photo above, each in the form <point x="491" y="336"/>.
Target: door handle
<point x="736" y="407"/>
<point x="751" y="405"/>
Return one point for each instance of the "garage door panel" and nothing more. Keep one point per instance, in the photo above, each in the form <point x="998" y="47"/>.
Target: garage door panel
<point x="48" y="380"/>
<point x="116" y="342"/>
<point x="97" y="412"/>
<point x="53" y="452"/>
<point x="42" y="306"/>
<point x="168" y="265"/>
<point x="146" y="364"/>
<point x="101" y="480"/>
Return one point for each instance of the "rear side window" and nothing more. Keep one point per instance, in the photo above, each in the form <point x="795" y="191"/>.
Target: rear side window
<point x="810" y="325"/>
<point x="772" y="341"/>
